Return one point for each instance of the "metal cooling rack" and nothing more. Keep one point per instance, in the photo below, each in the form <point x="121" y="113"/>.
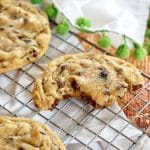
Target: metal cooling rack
<point x="16" y="100"/>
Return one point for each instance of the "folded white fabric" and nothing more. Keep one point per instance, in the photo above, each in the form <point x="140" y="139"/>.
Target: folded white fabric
<point x="121" y="16"/>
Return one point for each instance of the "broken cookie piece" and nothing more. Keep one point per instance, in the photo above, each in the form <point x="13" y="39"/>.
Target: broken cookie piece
<point x="99" y="79"/>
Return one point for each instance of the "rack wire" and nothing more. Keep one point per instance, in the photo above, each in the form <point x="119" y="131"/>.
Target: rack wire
<point x="16" y="100"/>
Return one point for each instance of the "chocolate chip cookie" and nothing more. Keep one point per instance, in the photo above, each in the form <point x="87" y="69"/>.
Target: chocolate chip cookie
<point x="100" y="79"/>
<point x="17" y="133"/>
<point x="24" y="34"/>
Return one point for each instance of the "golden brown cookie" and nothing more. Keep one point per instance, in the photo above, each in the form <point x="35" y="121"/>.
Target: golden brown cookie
<point x="100" y="79"/>
<point x="24" y="34"/>
<point x="17" y="133"/>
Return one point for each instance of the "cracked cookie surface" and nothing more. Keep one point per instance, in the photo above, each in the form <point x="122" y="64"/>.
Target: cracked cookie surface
<point x="24" y="34"/>
<point x="100" y="79"/>
<point x="18" y="133"/>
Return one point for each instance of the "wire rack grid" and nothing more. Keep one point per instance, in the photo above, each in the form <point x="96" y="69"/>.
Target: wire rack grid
<point x="71" y="119"/>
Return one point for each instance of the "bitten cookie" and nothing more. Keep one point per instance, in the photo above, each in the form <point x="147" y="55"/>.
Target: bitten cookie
<point x="24" y="34"/>
<point x="17" y="133"/>
<point x="100" y="79"/>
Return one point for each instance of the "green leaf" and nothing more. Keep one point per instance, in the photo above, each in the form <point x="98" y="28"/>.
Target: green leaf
<point x="51" y="11"/>
<point x="83" y="22"/>
<point x="63" y="28"/>
<point x="139" y="53"/>
<point x="123" y="51"/>
<point x="136" y="45"/>
<point x="36" y="1"/>
<point x="104" y="42"/>
<point x="148" y="23"/>
<point x="147" y="46"/>
<point x="147" y="33"/>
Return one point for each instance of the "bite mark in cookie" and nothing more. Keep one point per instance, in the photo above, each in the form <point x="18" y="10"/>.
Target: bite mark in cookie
<point x="100" y="79"/>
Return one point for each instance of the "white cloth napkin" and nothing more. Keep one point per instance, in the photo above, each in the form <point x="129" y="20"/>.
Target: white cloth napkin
<point x="121" y="16"/>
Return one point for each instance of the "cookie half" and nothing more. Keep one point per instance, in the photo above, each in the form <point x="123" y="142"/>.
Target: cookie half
<point x="100" y="79"/>
<point x="24" y="34"/>
<point x="17" y="133"/>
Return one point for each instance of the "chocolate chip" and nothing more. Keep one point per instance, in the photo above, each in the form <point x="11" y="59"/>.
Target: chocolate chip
<point x="1" y="7"/>
<point x="10" y="139"/>
<point x="43" y="81"/>
<point x="106" y="93"/>
<point x="21" y="148"/>
<point x="103" y="73"/>
<point x="20" y="5"/>
<point x="42" y="133"/>
<point x="119" y="71"/>
<point x="2" y="29"/>
<point x="55" y="104"/>
<point x="4" y="66"/>
<point x="39" y="10"/>
<point x="13" y="16"/>
<point x="43" y="31"/>
<point x="27" y="41"/>
<point x="25" y="14"/>
<point x="93" y="103"/>
<point x="66" y="96"/>
<point x="20" y="37"/>
<point x="36" y="105"/>
<point x="33" y="53"/>
<point x="53" y="82"/>
<point x="75" y="85"/>
<point x="136" y="87"/>
<point x="28" y="58"/>
<point x="89" y="99"/>
<point x="78" y="73"/>
<point x="119" y="97"/>
<point x="62" y="67"/>
<point x="25" y="20"/>
<point x="86" y="97"/>
<point x="60" y="84"/>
